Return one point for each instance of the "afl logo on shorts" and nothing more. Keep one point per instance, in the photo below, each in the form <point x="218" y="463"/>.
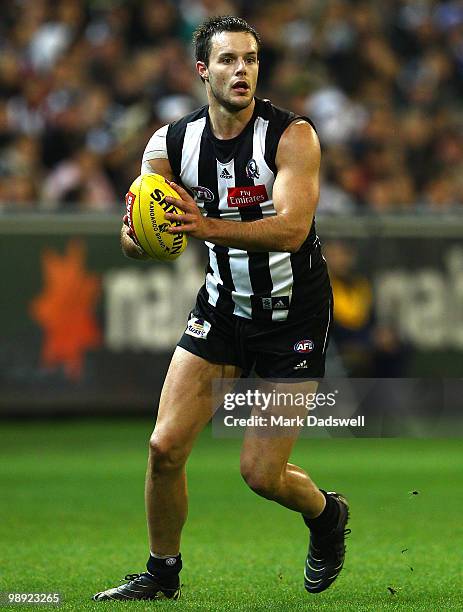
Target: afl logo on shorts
<point x="304" y="346"/>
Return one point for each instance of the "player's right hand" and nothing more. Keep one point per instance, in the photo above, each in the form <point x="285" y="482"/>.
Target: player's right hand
<point x="129" y="242"/>
<point x="128" y="230"/>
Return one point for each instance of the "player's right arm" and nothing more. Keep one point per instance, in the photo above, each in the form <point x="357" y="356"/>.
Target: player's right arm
<point x="155" y="159"/>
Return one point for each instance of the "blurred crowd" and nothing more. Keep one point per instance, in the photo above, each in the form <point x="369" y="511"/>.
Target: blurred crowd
<point x="83" y="85"/>
<point x="363" y="344"/>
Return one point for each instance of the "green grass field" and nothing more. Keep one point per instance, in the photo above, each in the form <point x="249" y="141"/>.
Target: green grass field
<point x="72" y="521"/>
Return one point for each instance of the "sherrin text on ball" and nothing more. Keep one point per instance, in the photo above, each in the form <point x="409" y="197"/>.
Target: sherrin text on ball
<point x="146" y="208"/>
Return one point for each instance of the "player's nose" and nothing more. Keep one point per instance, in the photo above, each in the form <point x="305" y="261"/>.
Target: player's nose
<point x="241" y="66"/>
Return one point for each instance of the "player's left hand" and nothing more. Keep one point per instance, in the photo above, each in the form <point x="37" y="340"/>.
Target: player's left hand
<point x="191" y="222"/>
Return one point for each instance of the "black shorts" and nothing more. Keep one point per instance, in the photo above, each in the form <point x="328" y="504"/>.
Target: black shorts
<point x="287" y="349"/>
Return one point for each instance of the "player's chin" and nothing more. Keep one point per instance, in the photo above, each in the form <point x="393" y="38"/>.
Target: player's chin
<point x="240" y="100"/>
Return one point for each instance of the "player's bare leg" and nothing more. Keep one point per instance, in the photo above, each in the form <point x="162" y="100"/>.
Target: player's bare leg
<point x="265" y="468"/>
<point x="185" y="408"/>
<point x="265" y="454"/>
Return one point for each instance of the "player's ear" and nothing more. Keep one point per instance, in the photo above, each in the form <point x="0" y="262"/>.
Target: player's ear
<point x="202" y="70"/>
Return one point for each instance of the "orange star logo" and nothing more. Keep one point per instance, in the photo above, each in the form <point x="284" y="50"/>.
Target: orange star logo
<point x="66" y="309"/>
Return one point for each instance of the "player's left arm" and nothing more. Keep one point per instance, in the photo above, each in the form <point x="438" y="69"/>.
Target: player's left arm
<point x="295" y="197"/>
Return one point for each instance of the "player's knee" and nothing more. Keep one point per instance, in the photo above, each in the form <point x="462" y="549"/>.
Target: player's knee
<point x="165" y="455"/>
<point x="263" y="483"/>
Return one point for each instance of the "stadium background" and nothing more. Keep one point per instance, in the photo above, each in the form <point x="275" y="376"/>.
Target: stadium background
<point x="85" y="332"/>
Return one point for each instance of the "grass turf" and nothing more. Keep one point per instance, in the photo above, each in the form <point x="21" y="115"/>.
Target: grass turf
<point x="72" y="521"/>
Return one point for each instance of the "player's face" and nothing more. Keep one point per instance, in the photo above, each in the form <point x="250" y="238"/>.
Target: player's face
<point x="233" y="69"/>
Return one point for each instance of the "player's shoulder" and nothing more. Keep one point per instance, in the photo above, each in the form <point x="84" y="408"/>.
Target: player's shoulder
<point x="178" y="127"/>
<point x="176" y="136"/>
<point x="279" y="118"/>
<point x="180" y="124"/>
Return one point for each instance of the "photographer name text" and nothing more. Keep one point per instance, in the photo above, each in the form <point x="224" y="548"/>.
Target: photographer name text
<point x="298" y="421"/>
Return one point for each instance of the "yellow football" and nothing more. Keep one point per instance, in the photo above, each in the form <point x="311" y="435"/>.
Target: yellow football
<point x="146" y="209"/>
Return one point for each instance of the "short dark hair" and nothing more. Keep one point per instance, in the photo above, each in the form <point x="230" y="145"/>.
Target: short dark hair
<point x="224" y="23"/>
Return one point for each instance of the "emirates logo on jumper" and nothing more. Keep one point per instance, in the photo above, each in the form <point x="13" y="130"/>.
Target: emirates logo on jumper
<point x="240" y="197"/>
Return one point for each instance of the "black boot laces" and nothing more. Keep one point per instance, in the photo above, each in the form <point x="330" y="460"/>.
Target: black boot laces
<point x="327" y="544"/>
<point x="131" y="577"/>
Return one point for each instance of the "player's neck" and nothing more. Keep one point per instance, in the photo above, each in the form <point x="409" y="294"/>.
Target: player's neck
<point x="226" y="124"/>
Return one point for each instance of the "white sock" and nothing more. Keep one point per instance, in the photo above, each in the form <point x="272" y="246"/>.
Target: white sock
<point x="156" y="556"/>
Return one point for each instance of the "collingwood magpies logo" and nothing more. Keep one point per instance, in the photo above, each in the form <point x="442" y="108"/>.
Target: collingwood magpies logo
<point x="252" y="169"/>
